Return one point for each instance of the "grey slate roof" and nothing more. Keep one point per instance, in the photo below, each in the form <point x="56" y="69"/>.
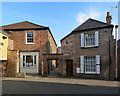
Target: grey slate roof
<point x="89" y="24"/>
<point x="92" y="23"/>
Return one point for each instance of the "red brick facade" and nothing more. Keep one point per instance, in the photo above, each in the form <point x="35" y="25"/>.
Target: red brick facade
<point x="41" y="43"/>
<point x="19" y="38"/>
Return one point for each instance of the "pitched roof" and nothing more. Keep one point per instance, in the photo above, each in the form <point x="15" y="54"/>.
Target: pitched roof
<point x="89" y="24"/>
<point x="22" y="25"/>
<point x="25" y="25"/>
<point x="3" y="32"/>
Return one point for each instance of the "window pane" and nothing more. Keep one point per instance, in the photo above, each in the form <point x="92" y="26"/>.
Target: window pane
<point x="35" y="60"/>
<point x="23" y="60"/>
<point x="30" y="40"/>
<point x="29" y="37"/>
<point x="29" y="61"/>
<point x="29" y="34"/>
<point x="89" y="39"/>
<point x="90" y="64"/>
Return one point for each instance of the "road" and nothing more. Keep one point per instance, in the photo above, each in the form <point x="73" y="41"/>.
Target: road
<point x="32" y="87"/>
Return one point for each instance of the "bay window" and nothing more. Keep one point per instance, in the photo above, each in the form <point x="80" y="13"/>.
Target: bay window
<point x="29" y="60"/>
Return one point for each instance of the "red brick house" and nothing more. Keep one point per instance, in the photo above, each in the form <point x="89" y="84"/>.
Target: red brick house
<point x="89" y="50"/>
<point x="30" y="42"/>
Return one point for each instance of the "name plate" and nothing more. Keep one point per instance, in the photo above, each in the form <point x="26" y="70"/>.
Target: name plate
<point x="77" y="70"/>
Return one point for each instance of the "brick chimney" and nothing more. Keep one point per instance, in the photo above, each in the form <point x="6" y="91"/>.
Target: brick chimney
<point x="108" y="18"/>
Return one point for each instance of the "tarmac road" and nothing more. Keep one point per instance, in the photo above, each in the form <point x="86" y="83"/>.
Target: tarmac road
<point x="34" y="87"/>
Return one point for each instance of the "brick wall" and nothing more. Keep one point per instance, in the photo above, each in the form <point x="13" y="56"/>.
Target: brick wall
<point x="53" y="49"/>
<point x="10" y="44"/>
<point x="74" y="51"/>
<point x="119" y="59"/>
<point x="19" y="38"/>
<point x="13" y="63"/>
<point x="19" y="43"/>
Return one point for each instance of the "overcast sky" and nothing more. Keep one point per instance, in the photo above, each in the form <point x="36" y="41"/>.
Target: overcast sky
<point x="62" y="17"/>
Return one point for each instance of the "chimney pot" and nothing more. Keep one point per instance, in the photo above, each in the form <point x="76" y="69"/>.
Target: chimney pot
<point x="108" y="14"/>
<point x="108" y="18"/>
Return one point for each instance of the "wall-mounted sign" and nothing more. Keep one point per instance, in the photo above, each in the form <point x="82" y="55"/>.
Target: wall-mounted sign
<point x="78" y="70"/>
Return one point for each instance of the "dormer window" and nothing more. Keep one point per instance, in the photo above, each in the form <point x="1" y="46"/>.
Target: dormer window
<point x="29" y="38"/>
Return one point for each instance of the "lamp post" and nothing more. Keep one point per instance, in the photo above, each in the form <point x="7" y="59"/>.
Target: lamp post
<point x="116" y="69"/>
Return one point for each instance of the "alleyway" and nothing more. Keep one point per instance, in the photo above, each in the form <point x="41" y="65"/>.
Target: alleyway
<point x="53" y="73"/>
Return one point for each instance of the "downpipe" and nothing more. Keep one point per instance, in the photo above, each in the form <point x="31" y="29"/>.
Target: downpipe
<point x="116" y="67"/>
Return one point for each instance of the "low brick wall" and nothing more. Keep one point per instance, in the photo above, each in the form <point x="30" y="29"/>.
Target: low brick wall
<point x="13" y="63"/>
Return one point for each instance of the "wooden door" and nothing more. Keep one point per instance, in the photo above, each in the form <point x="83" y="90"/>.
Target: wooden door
<point x="69" y="67"/>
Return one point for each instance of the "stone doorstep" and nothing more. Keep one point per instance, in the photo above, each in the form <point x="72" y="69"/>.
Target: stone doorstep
<point x="67" y="81"/>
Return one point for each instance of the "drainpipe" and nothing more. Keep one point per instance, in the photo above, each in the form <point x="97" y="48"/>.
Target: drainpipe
<point x="109" y="58"/>
<point x="41" y="51"/>
<point x="116" y="70"/>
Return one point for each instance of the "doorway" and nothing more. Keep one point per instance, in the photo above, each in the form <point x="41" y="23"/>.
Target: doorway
<point x="69" y="67"/>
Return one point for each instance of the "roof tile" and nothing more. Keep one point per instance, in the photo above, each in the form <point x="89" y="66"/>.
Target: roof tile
<point x="22" y="25"/>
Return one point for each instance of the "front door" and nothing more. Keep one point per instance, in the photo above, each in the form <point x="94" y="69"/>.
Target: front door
<point x="69" y="67"/>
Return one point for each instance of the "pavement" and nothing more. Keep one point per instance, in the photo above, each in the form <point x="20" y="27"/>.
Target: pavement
<point x="56" y="85"/>
<point x="88" y="82"/>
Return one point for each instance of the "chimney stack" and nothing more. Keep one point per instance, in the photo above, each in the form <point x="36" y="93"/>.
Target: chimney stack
<point x="108" y="18"/>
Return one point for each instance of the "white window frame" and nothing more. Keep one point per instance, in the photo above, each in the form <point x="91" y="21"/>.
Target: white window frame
<point x="27" y="37"/>
<point x="32" y="62"/>
<point x="29" y="53"/>
<point x="85" y="40"/>
<point x="90" y="71"/>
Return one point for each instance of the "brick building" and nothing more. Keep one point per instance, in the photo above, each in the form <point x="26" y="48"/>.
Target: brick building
<point x="29" y="42"/>
<point x="59" y="50"/>
<point x="118" y="59"/>
<point x="89" y="50"/>
<point x="3" y="51"/>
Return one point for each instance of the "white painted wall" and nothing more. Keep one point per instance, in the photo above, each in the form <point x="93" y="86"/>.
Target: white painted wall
<point x="29" y="70"/>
